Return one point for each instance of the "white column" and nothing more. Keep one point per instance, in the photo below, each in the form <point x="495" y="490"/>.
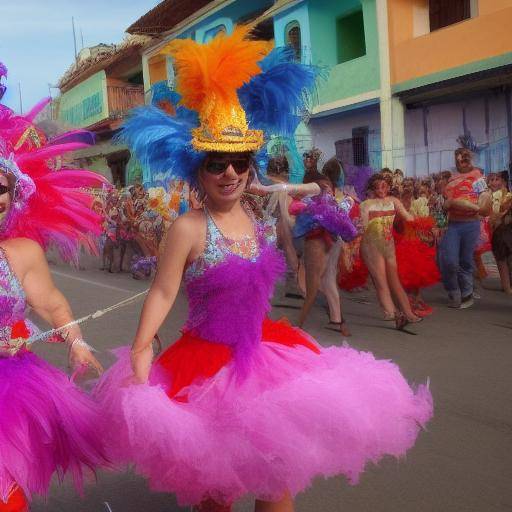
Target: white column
<point x="145" y="73"/>
<point x="391" y="109"/>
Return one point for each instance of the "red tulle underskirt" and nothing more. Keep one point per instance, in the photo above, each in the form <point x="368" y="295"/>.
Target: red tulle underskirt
<point x="416" y="261"/>
<point x="16" y="502"/>
<point x="191" y="359"/>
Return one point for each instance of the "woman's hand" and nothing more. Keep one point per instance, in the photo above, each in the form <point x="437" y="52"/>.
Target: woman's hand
<point x="81" y="356"/>
<point x="141" y="364"/>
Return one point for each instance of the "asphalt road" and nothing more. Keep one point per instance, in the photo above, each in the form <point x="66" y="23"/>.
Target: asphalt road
<point x="463" y="462"/>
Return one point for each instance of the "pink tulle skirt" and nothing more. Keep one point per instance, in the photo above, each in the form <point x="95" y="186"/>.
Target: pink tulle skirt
<point x="47" y="426"/>
<point x="301" y="412"/>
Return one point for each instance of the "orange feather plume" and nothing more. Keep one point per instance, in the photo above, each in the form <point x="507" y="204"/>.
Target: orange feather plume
<point x="216" y="69"/>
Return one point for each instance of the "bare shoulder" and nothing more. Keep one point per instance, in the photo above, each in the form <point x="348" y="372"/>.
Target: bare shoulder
<point x="23" y="248"/>
<point x="189" y="224"/>
<point x="23" y="254"/>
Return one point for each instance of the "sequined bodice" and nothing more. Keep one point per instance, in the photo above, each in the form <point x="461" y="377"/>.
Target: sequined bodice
<point x="12" y="299"/>
<point x="230" y="285"/>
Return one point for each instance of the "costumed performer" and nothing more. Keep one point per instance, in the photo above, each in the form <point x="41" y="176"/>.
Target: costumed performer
<point x="324" y="223"/>
<point x="240" y="404"/>
<point x="501" y="227"/>
<point x="415" y="249"/>
<point x="47" y="425"/>
<point x="378" y="249"/>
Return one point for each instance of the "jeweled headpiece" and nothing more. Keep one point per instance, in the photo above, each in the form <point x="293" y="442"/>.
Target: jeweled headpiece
<point x="208" y="77"/>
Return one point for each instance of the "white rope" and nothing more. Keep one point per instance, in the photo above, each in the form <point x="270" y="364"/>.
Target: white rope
<point x="92" y="316"/>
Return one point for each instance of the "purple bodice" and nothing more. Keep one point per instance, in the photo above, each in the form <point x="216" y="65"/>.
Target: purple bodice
<point x="12" y="299"/>
<point x="229" y="290"/>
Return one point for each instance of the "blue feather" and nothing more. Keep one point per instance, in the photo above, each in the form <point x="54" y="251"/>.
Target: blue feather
<point x="275" y="100"/>
<point x="161" y="92"/>
<point x="163" y="143"/>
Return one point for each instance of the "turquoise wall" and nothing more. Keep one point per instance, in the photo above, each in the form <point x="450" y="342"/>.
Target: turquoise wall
<point x="299" y="14"/>
<point x="86" y="103"/>
<point x="349" y="78"/>
<point x="228" y="16"/>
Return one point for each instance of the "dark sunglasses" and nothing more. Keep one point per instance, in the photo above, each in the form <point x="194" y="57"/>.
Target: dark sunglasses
<point x="4" y="189"/>
<point x="240" y="166"/>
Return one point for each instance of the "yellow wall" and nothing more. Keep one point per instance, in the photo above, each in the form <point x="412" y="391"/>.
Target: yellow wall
<point x="487" y="35"/>
<point x="157" y="69"/>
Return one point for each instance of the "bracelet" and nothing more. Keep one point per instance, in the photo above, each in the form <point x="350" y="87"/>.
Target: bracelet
<point x="79" y="342"/>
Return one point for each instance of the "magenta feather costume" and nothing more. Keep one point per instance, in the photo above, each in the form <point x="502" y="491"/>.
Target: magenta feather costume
<point x="47" y="425"/>
<point x="241" y="404"/>
<point x="245" y="405"/>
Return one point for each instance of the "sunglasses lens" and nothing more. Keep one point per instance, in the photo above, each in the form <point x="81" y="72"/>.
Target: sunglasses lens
<point x="214" y="167"/>
<point x="240" y="166"/>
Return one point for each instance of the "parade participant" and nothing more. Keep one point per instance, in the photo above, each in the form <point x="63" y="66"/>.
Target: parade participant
<point x="501" y="227"/>
<point x="240" y="403"/>
<point x="415" y="249"/>
<point x="378" y="249"/>
<point x="47" y="426"/>
<point x="316" y="221"/>
<point x="310" y="160"/>
<point x="466" y="200"/>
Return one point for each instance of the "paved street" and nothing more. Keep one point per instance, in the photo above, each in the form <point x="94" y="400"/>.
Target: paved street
<point x="462" y="463"/>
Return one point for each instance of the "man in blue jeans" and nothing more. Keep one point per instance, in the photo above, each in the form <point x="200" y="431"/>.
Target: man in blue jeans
<point x="467" y="200"/>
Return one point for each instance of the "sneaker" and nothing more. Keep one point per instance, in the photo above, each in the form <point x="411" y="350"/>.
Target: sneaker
<point x="455" y="302"/>
<point x="476" y="295"/>
<point x="467" y="302"/>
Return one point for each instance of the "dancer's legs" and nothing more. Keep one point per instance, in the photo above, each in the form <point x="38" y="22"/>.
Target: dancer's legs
<point x="284" y="505"/>
<point x="329" y="285"/>
<point x="397" y="289"/>
<point x="315" y="261"/>
<point x="377" y="266"/>
<point x="504" y="271"/>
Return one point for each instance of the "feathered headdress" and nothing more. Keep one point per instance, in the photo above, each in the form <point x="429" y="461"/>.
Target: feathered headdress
<point x="235" y="93"/>
<point x="48" y="206"/>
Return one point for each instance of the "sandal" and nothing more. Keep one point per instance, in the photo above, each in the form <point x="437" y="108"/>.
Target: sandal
<point x="343" y="327"/>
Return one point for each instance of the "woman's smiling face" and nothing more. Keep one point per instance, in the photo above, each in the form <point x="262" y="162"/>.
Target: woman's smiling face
<point x="223" y="176"/>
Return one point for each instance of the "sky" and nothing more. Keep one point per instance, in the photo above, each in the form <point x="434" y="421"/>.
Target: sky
<point x="36" y="39"/>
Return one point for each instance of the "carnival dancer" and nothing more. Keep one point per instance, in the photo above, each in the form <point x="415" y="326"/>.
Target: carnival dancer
<point x="501" y="227"/>
<point x="378" y="249"/>
<point x="416" y="252"/>
<point x="47" y="425"/>
<point x="324" y="223"/>
<point x="239" y="404"/>
<point x="467" y="200"/>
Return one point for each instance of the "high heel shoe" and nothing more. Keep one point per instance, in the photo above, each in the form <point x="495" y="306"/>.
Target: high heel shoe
<point x="343" y="327"/>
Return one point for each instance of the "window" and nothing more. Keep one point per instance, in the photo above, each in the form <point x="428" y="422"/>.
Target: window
<point x="293" y="39"/>
<point x="350" y="36"/>
<point x="354" y="151"/>
<point x="360" y="145"/>
<point x="212" y="32"/>
<point x="443" y="13"/>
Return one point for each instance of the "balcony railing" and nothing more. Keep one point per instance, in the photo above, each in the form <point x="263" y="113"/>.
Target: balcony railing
<point x="122" y="98"/>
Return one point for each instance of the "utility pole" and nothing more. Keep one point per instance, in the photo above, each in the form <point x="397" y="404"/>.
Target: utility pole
<point x="21" y="99"/>
<point x="81" y="38"/>
<point x="74" y="35"/>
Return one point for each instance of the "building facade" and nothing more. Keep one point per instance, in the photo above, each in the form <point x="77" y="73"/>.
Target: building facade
<point x="407" y="81"/>
<point x="96" y="93"/>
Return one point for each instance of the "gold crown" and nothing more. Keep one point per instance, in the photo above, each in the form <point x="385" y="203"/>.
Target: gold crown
<point x="208" y="77"/>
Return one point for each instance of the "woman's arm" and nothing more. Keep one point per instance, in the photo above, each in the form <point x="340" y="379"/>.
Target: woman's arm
<point x="48" y="302"/>
<point x="295" y="190"/>
<point x="364" y="212"/>
<point x="163" y="293"/>
<point x="400" y="209"/>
